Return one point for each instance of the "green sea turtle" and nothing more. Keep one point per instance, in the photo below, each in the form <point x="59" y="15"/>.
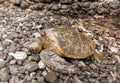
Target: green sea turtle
<point x="56" y="44"/>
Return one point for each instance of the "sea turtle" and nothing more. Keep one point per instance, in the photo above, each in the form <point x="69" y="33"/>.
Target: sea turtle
<point x="56" y="44"/>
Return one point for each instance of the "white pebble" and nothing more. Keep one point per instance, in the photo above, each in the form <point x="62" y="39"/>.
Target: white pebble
<point x="36" y="34"/>
<point x="114" y="49"/>
<point x="19" y="55"/>
<point x="1" y="48"/>
<point x="41" y="65"/>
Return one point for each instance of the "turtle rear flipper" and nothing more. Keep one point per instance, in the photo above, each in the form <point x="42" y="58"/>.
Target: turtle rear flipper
<point x="57" y="63"/>
<point x="98" y="56"/>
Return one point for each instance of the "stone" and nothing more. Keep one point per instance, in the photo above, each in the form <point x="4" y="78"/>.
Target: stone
<point x="40" y="79"/>
<point x="14" y="69"/>
<point x="24" y="5"/>
<point x="4" y="74"/>
<point x="114" y="4"/>
<point x="7" y="42"/>
<point x="114" y="49"/>
<point x="14" y="79"/>
<point x="31" y="66"/>
<point x="21" y="55"/>
<point x="55" y="8"/>
<point x="34" y="81"/>
<point x="86" y="5"/>
<point x="41" y="65"/>
<point x="51" y="76"/>
<point x="81" y="64"/>
<point x="17" y="2"/>
<point x="21" y="69"/>
<point x="2" y="63"/>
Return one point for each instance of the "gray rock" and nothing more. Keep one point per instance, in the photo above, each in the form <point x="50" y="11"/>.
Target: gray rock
<point x="4" y="74"/>
<point x="2" y="63"/>
<point x="14" y="79"/>
<point x="7" y="42"/>
<point x="21" y="69"/>
<point x="40" y="79"/>
<point x="14" y="69"/>
<point x="35" y="81"/>
<point x="31" y="66"/>
<point x="51" y="76"/>
<point x="24" y="5"/>
<point x="114" y="4"/>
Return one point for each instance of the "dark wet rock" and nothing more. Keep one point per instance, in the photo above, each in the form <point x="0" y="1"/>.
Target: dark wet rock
<point x="17" y="2"/>
<point x="36" y="1"/>
<point x="93" y="5"/>
<point x="4" y="74"/>
<point x="91" y="12"/>
<point x="114" y="4"/>
<point x="105" y="5"/>
<point x="75" y="6"/>
<point x="31" y="66"/>
<point x="24" y="5"/>
<point x="14" y="69"/>
<point x="46" y="1"/>
<point x="86" y="5"/>
<point x="50" y="77"/>
<point x="2" y="1"/>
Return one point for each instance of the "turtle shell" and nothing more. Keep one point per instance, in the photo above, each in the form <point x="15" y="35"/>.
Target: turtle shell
<point x="70" y="43"/>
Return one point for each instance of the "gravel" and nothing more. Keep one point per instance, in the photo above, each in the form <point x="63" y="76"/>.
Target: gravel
<point x="18" y="65"/>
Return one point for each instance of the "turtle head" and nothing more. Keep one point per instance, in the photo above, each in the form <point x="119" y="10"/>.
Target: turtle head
<point x="35" y="44"/>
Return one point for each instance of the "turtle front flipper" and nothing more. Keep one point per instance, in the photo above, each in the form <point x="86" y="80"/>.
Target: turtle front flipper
<point x="57" y="63"/>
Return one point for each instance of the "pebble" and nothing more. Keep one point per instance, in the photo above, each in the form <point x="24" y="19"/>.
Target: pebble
<point x="7" y="42"/>
<point x="21" y="55"/>
<point x="81" y="64"/>
<point x="37" y="34"/>
<point x="21" y="69"/>
<point x="12" y="62"/>
<point x="51" y="76"/>
<point x="31" y="66"/>
<point x="24" y="5"/>
<point x="44" y="73"/>
<point x="114" y="49"/>
<point x="93" y="66"/>
<point x="1" y="48"/>
<point x="4" y="74"/>
<point x="2" y="63"/>
<point x="114" y="4"/>
<point x="40" y="79"/>
<point x="17" y="2"/>
<point x="14" y="69"/>
<point x="14" y="79"/>
<point x="41" y="65"/>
